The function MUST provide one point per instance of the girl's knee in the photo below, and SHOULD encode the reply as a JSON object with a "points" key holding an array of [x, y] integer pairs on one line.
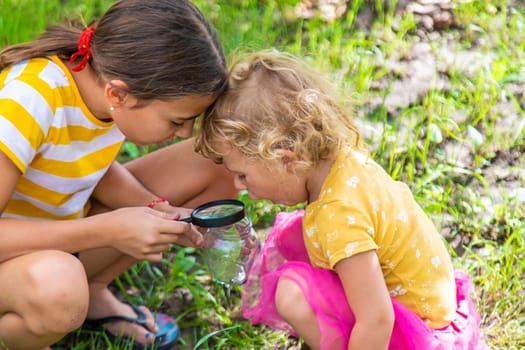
{"points": [[59, 292], [292, 305], [290, 301]]}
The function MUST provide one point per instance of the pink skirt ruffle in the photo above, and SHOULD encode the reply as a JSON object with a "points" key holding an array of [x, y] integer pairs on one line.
{"points": [[284, 255]]}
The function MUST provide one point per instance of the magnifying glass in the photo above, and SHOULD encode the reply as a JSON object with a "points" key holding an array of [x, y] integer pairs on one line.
{"points": [[230, 244], [217, 213]]}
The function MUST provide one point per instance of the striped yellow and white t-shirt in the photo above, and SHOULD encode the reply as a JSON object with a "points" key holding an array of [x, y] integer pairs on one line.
{"points": [[48, 132]]}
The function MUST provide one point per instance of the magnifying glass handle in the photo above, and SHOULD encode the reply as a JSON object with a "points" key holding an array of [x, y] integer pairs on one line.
{"points": [[188, 219]]}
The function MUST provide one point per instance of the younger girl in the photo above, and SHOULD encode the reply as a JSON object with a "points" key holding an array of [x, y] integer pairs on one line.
{"points": [[67, 101], [372, 271]]}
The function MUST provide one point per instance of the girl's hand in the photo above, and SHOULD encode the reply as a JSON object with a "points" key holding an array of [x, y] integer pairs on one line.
{"points": [[145, 233], [179, 212]]}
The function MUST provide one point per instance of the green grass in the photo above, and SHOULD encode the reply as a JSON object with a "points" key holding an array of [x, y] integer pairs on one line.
{"points": [[458, 145]]}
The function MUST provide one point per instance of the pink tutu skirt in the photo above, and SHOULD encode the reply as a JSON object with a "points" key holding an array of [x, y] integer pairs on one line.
{"points": [[284, 255]]}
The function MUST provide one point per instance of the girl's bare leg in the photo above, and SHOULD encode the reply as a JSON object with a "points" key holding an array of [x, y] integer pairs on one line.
{"points": [[43, 296], [102, 267], [294, 309]]}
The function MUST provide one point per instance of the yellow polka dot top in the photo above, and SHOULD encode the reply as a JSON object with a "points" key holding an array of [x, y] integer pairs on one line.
{"points": [[361, 208]]}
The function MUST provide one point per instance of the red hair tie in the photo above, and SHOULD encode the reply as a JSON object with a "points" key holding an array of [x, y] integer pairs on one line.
{"points": [[84, 49]]}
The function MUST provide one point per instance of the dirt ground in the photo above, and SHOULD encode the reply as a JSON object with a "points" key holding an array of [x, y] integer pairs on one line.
{"points": [[504, 172], [427, 66], [422, 71]]}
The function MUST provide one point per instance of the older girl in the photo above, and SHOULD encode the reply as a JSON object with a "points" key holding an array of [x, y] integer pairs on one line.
{"points": [[67, 102]]}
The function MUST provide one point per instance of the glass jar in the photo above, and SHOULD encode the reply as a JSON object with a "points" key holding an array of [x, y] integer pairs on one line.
{"points": [[230, 243], [229, 251]]}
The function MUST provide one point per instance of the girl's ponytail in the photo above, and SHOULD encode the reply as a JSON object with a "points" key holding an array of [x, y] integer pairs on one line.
{"points": [[56, 40]]}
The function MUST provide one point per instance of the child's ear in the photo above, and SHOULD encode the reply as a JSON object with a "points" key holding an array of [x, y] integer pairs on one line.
{"points": [[115, 93], [288, 159]]}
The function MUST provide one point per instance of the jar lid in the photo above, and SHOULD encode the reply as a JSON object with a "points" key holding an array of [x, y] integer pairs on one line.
{"points": [[218, 213]]}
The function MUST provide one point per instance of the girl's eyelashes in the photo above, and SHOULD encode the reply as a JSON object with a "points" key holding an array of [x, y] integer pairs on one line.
{"points": [[241, 177], [178, 123]]}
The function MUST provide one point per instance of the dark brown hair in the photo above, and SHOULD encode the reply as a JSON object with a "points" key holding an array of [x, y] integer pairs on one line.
{"points": [[161, 49]]}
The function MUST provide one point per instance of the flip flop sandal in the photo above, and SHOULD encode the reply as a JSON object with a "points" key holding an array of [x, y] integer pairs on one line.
{"points": [[165, 338]]}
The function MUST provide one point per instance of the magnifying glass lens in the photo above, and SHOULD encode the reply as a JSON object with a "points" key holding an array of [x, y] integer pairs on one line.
{"points": [[218, 213]]}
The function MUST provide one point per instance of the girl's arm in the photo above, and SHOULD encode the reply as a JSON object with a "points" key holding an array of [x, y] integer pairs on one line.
{"points": [[369, 300], [119, 188], [20, 236], [139, 232], [9, 174]]}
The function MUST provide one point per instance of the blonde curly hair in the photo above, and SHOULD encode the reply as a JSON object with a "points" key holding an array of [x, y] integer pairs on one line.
{"points": [[273, 102]]}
